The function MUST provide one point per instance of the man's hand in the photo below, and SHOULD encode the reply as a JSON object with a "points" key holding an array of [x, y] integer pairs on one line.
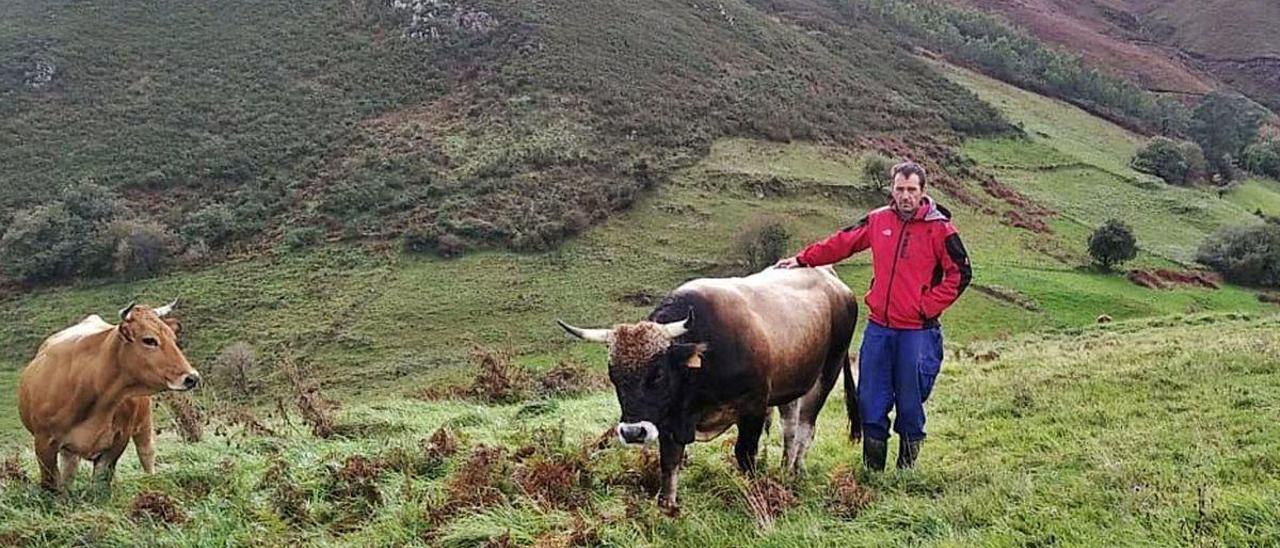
{"points": [[789, 262]]}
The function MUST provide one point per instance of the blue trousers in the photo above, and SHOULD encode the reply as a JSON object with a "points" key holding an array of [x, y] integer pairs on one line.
{"points": [[896, 369]]}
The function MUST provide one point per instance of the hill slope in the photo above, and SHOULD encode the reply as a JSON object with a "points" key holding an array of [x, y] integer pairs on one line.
{"points": [[1180, 46], [484, 121], [366, 320]]}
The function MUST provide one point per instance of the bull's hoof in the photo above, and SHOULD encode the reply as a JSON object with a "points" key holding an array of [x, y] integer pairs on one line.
{"points": [[670, 510]]}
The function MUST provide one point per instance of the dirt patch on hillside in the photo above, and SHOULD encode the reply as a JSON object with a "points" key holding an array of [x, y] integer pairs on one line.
{"points": [[1168, 279]]}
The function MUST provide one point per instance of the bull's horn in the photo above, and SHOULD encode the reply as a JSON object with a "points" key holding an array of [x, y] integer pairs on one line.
{"points": [[593, 335], [166, 309], [675, 329], [124, 312]]}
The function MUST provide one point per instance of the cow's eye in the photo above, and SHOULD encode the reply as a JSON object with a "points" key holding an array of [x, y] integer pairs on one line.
{"points": [[150, 341]]}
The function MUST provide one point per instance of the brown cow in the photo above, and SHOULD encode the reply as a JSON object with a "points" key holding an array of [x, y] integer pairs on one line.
{"points": [[87, 392]]}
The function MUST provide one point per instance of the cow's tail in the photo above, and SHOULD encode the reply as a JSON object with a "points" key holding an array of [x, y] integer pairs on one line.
{"points": [[851, 401]]}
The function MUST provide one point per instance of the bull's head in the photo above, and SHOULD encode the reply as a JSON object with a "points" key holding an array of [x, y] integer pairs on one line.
{"points": [[151, 354], [651, 374]]}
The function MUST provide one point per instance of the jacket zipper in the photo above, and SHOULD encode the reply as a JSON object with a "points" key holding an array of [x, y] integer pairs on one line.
{"points": [[893, 271]]}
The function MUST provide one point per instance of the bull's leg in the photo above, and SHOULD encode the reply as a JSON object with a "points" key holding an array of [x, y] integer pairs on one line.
{"points": [[104, 467], [144, 444], [70, 465], [671, 453], [790, 413], [749, 429], [809, 406], [47, 456]]}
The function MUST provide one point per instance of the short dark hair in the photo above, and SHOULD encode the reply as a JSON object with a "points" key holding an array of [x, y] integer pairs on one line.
{"points": [[907, 169]]}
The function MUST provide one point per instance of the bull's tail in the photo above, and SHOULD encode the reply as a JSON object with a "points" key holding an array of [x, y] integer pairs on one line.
{"points": [[851, 402]]}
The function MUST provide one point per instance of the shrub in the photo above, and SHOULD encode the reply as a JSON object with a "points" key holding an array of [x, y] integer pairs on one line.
{"points": [[41, 244], [1245, 255], [761, 244], [301, 238], [238, 363], [142, 248], [1167, 159], [214, 225], [1264, 158], [875, 170]]}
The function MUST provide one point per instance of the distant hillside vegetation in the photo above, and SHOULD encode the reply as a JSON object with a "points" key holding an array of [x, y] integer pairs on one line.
{"points": [[1180, 46], [462, 123]]}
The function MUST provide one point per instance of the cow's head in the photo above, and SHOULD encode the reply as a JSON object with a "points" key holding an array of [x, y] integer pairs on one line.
{"points": [[652, 375], [151, 354]]}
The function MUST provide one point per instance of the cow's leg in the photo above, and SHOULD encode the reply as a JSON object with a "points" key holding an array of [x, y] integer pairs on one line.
{"points": [[104, 467], [144, 444], [70, 465], [671, 453], [749, 429], [47, 456]]}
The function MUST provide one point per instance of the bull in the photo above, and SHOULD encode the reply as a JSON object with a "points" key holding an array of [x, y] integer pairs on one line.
{"points": [[720, 352]]}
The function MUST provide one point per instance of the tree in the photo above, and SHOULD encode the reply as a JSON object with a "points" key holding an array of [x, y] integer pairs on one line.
{"points": [[1112, 243], [1223, 125], [1172, 118]]}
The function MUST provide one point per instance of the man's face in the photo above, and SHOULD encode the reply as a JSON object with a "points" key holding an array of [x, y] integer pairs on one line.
{"points": [[907, 192]]}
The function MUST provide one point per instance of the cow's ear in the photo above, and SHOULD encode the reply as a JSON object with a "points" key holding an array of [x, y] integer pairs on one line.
{"points": [[126, 330], [173, 324], [688, 356]]}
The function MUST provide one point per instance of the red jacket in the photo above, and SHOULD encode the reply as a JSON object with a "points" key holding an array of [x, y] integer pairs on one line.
{"points": [[920, 265]]}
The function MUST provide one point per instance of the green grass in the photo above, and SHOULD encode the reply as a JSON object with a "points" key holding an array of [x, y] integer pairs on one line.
{"points": [[1132, 433], [1067, 129], [1257, 194]]}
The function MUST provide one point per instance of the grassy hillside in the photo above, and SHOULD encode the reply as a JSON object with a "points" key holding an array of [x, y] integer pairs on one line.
{"points": [[1079, 167], [364, 319], [486, 122], [1111, 435]]}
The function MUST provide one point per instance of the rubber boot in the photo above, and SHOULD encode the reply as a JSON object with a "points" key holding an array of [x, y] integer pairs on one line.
{"points": [[873, 454], [907, 453]]}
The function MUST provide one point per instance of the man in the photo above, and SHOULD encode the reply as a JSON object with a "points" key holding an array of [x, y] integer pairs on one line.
{"points": [[920, 268]]}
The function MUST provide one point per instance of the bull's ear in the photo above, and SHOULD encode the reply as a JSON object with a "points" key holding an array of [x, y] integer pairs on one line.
{"points": [[173, 324], [687, 355]]}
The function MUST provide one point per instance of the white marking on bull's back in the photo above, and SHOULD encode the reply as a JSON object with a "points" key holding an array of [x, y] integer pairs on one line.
{"points": [[88, 326]]}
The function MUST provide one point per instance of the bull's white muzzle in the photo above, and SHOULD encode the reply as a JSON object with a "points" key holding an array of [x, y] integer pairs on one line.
{"points": [[637, 432]]}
